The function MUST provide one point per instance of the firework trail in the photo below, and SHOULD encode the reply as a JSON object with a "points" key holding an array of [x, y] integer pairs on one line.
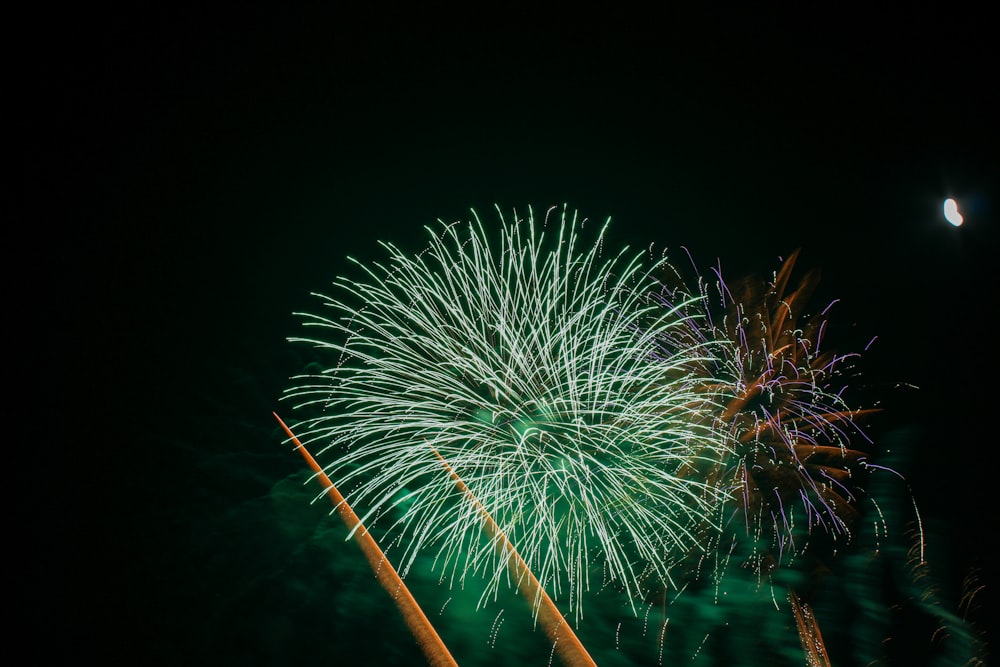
{"points": [[537, 369], [435, 651]]}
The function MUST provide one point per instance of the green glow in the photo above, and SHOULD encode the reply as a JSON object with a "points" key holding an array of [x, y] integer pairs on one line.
{"points": [[690, 447]]}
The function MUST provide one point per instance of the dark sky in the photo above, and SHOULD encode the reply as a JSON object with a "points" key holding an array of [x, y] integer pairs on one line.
{"points": [[189, 177]]}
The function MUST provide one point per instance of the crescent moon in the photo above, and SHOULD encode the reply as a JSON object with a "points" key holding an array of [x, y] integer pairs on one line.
{"points": [[951, 213]]}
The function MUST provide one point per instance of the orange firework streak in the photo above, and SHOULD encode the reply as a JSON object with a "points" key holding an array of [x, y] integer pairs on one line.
{"points": [[809, 634], [434, 649], [567, 645]]}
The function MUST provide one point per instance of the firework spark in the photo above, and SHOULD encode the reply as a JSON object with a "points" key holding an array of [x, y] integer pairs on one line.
{"points": [[536, 368]]}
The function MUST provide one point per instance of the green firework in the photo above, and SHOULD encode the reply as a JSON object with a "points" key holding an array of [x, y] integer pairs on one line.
{"points": [[534, 366]]}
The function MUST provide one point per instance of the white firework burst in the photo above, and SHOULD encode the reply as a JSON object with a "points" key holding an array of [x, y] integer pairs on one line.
{"points": [[536, 369]]}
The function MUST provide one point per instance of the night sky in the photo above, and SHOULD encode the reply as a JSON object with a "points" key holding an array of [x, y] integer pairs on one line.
{"points": [[190, 177]]}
